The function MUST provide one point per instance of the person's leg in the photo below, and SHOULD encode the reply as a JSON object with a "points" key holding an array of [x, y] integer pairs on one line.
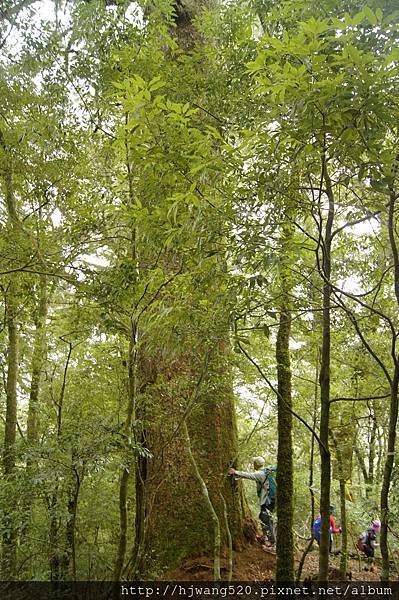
{"points": [[266, 519], [369, 552]]}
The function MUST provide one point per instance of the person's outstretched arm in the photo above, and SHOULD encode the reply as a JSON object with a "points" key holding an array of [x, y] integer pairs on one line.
{"points": [[255, 475]]}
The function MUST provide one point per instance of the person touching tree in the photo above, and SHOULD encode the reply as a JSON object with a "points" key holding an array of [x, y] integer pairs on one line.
{"points": [[266, 491]]}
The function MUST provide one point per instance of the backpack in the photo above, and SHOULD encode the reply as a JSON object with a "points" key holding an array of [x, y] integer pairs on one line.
{"points": [[316, 529], [362, 540], [271, 480]]}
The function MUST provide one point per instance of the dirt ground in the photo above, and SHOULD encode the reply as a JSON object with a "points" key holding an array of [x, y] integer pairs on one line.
{"points": [[254, 564], [251, 564]]}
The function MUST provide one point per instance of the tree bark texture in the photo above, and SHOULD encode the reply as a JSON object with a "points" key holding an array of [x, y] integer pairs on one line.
{"points": [[171, 525], [128, 456], [9, 550], [394, 405], [325, 477], [285, 484], [38, 359], [208, 503]]}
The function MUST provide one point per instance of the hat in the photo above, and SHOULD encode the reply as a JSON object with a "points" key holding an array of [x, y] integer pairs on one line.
{"points": [[258, 461], [376, 524]]}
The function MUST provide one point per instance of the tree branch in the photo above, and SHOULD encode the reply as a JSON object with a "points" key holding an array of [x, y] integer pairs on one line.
{"points": [[269, 383]]}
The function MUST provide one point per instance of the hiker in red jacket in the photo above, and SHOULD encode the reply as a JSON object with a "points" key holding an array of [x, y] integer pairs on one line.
{"points": [[333, 528]]}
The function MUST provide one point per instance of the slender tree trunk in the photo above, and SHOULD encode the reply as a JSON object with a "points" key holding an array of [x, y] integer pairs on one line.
{"points": [[325, 477], [344, 542], [387, 477], [54, 553], [73, 500], [285, 486], [311, 469], [131, 395], [128, 458], [38, 359], [371, 456], [32, 431], [394, 405], [9, 547], [342, 497], [57, 558]]}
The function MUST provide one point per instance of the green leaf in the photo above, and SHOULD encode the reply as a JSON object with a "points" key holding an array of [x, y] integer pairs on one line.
{"points": [[370, 15]]}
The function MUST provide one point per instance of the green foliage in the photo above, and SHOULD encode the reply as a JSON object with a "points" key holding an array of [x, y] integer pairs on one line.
{"points": [[151, 186]]}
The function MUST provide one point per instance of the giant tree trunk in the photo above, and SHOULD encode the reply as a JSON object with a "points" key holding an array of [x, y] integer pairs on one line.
{"points": [[171, 523], [285, 485], [171, 520]]}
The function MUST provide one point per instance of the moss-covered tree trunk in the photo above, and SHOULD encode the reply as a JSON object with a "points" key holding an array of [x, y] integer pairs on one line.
{"points": [[33, 421], [171, 523], [9, 547], [285, 486], [342, 441], [394, 403], [369, 468], [9, 538], [131, 397], [38, 359], [75, 481], [344, 546]]}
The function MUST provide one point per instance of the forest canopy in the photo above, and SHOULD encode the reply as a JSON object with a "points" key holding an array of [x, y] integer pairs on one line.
{"points": [[199, 265]]}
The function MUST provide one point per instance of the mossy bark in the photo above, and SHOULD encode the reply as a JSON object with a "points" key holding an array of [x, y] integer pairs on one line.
{"points": [[38, 359], [368, 470], [285, 486], [33, 421], [208, 504], [9, 546], [171, 523], [343, 472], [344, 545], [394, 402]]}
